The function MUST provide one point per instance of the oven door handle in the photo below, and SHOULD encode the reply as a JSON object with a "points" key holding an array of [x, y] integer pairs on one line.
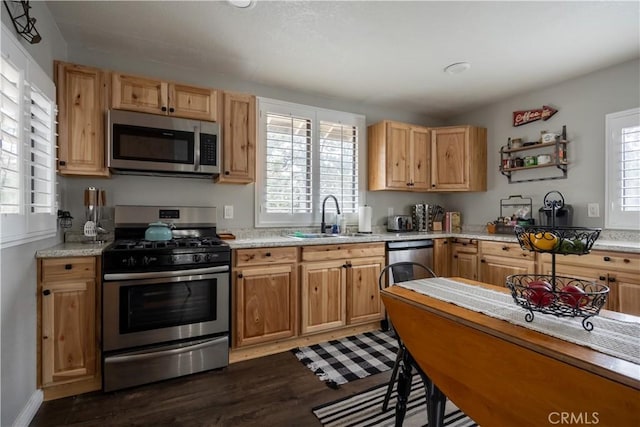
{"points": [[163, 274], [162, 353]]}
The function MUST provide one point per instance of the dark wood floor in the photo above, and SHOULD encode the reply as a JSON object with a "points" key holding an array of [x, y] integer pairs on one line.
{"points": [[271, 391]]}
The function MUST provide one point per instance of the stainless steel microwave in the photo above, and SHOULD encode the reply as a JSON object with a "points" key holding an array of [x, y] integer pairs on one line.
{"points": [[154, 144]]}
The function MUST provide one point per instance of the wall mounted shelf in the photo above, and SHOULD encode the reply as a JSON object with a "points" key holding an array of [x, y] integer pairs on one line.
{"points": [[559, 154]]}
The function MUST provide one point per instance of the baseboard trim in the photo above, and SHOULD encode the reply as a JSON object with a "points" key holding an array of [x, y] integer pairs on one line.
{"points": [[30, 409]]}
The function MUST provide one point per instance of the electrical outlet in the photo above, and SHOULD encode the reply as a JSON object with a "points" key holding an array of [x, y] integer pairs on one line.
{"points": [[228, 212], [593, 210]]}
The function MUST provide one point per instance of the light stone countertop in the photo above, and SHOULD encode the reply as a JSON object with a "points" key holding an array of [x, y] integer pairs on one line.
{"points": [[95, 249]]}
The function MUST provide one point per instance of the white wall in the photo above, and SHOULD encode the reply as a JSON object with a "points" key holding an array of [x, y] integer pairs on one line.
{"points": [[18, 264], [582, 104]]}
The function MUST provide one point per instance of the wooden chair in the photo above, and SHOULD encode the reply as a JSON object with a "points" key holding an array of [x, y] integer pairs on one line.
{"points": [[402, 272]]}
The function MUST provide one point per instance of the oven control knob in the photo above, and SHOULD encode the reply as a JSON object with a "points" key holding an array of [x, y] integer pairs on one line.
{"points": [[208, 257], [147, 260], [129, 262], [197, 258]]}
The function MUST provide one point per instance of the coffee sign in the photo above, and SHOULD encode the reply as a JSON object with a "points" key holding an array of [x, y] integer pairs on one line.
{"points": [[527, 116]]}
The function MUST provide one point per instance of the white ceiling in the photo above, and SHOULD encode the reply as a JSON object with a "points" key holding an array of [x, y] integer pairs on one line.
{"points": [[390, 54]]}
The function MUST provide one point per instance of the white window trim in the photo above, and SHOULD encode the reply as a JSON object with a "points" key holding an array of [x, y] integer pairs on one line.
{"points": [[317, 114], [18, 229], [614, 217]]}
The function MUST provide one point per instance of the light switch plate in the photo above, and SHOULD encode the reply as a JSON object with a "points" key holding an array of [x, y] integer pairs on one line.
{"points": [[228, 212], [593, 210]]}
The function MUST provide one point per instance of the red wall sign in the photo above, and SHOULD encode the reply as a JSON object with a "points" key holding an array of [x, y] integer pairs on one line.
{"points": [[527, 116]]}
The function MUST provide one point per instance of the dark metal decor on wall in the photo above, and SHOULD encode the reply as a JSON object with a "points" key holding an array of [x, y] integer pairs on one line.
{"points": [[22, 22]]}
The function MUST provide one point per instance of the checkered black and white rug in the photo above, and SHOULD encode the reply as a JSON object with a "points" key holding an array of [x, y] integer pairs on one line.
{"points": [[340, 361]]}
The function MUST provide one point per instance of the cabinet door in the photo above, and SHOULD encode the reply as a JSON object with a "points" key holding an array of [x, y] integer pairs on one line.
{"points": [[193, 102], [420, 169], [363, 294], [68, 330], [139, 94], [450, 155], [398, 147], [239, 138], [464, 265], [265, 304], [624, 294], [323, 296], [441, 257], [495, 269], [82, 97]]}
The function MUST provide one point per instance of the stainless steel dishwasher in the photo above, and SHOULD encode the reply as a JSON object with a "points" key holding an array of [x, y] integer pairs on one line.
{"points": [[420, 251]]}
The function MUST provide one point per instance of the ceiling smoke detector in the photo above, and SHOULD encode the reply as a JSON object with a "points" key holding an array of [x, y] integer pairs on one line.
{"points": [[241, 4], [457, 68]]}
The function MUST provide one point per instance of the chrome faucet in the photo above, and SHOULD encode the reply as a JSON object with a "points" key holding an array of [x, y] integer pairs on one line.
{"points": [[322, 223]]}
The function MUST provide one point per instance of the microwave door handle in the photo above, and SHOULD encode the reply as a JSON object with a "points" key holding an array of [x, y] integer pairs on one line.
{"points": [[196, 148]]}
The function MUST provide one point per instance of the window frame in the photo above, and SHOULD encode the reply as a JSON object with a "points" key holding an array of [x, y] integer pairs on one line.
{"points": [[615, 218], [316, 114], [25, 226]]}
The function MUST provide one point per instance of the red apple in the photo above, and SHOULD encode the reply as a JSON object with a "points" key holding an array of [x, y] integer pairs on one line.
{"points": [[539, 293], [573, 296]]}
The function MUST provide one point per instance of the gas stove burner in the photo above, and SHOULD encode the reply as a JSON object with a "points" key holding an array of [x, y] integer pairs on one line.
{"points": [[167, 244]]}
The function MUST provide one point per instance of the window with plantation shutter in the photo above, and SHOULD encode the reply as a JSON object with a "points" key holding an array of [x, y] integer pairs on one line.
{"points": [[305, 154], [11, 183], [27, 148], [623, 170], [339, 164]]}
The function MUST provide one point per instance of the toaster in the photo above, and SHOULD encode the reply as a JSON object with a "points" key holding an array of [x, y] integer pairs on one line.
{"points": [[399, 223]]}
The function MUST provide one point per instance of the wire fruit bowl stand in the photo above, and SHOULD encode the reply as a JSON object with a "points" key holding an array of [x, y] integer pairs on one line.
{"points": [[551, 294]]}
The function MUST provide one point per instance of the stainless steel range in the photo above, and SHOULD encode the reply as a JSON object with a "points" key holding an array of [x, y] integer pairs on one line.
{"points": [[165, 304]]}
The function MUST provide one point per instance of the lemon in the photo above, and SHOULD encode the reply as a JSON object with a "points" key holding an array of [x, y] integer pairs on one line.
{"points": [[544, 241]]}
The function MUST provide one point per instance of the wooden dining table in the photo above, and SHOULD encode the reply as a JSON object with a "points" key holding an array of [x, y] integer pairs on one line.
{"points": [[502, 374]]}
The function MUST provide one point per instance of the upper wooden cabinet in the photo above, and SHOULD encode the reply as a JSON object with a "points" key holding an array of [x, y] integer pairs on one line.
{"points": [[82, 94], [154, 96], [238, 138], [398, 157], [459, 159]]}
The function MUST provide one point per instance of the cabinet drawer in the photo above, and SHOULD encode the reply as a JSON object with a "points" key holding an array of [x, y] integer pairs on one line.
{"points": [[347, 251], [265, 256], [68, 268], [469, 246], [509, 250], [608, 261]]}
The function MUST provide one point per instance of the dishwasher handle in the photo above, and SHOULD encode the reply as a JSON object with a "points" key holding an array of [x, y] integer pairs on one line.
{"points": [[409, 244]]}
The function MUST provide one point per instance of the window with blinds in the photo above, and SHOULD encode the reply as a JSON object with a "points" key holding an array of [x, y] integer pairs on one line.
{"points": [[306, 154], [27, 147], [11, 147], [623, 170], [338, 172]]}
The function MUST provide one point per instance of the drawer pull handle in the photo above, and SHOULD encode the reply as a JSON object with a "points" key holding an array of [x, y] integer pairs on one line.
{"points": [[607, 258], [611, 279], [164, 108], [267, 254], [483, 260], [45, 337], [505, 248], [46, 292], [626, 261], [68, 266], [602, 278], [239, 275], [455, 256]]}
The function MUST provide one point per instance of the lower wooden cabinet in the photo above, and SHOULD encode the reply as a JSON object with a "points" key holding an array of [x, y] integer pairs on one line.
{"points": [[441, 257], [68, 301], [497, 260], [464, 259], [618, 271], [265, 290], [339, 285]]}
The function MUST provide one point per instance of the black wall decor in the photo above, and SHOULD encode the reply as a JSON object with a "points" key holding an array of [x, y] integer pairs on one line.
{"points": [[23, 23]]}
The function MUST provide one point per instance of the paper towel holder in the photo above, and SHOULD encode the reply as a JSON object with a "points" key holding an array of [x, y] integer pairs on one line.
{"points": [[364, 219]]}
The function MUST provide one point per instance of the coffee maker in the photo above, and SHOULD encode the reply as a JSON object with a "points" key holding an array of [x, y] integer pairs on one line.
{"points": [[94, 201]]}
